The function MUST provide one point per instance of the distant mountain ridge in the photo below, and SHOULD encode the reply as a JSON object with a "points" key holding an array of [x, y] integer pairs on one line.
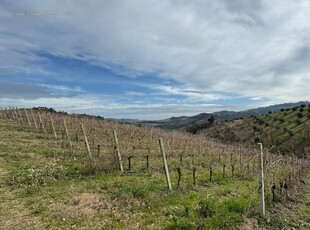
{"points": [[183, 122]]}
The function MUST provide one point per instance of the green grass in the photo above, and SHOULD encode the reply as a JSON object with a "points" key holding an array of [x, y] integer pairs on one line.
{"points": [[284, 128], [43, 186]]}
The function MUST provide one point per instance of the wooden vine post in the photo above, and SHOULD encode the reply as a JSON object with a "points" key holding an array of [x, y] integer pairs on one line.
{"points": [[28, 120], [86, 141], [41, 123], [67, 134], [165, 163], [53, 127], [118, 152], [179, 175], [34, 120], [20, 116], [261, 182], [16, 115]]}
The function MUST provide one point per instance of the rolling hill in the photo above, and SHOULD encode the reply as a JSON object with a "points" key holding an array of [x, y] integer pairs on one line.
{"points": [[287, 130], [184, 122]]}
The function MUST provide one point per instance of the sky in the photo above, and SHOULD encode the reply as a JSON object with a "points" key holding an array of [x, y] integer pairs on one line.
{"points": [[153, 59]]}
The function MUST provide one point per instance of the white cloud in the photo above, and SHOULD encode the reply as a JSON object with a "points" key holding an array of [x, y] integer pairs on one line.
{"points": [[96, 106], [190, 93], [257, 49], [134, 93], [63, 88]]}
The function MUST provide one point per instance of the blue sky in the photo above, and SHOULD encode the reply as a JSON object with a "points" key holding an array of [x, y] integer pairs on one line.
{"points": [[153, 59]]}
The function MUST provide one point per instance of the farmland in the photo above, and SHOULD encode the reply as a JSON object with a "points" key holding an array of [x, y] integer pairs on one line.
{"points": [[79, 172]]}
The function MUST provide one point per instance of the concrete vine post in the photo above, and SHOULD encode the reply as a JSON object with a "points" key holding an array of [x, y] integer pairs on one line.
{"points": [[261, 183], [165, 163]]}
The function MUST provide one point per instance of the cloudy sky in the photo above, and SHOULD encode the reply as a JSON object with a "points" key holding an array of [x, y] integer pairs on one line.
{"points": [[153, 59]]}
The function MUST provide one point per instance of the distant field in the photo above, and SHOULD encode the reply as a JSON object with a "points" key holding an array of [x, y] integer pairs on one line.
{"points": [[50, 179]]}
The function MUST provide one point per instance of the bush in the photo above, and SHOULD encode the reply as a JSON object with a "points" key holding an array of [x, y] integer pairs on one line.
{"points": [[260, 121], [300, 115], [290, 132], [180, 224], [238, 206], [256, 139], [206, 208], [298, 122]]}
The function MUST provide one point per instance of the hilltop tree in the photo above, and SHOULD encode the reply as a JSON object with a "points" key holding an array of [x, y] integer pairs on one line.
{"points": [[300, 115], [211, 120]]}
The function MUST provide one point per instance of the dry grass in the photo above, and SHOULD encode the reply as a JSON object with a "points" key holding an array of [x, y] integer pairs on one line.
{"points": [[70, 199]]}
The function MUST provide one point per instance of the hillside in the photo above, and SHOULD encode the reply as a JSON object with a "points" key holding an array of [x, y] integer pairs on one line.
{"points": [[185, 122], [60, 171], [57, 173], [286, 131]]}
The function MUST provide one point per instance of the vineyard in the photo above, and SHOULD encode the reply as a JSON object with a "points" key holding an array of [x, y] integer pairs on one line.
{"points": [[132, 177]]}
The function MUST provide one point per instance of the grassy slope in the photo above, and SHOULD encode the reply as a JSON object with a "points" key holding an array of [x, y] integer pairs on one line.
{"points": [[280, 129], [42, 188], [187, 122]]}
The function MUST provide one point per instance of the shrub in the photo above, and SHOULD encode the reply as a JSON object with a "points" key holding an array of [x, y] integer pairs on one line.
{"points": [[206, 208], [238, 206], [290, 132], [260, 121], [180, 224], [300, 115], [256, 139]]}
